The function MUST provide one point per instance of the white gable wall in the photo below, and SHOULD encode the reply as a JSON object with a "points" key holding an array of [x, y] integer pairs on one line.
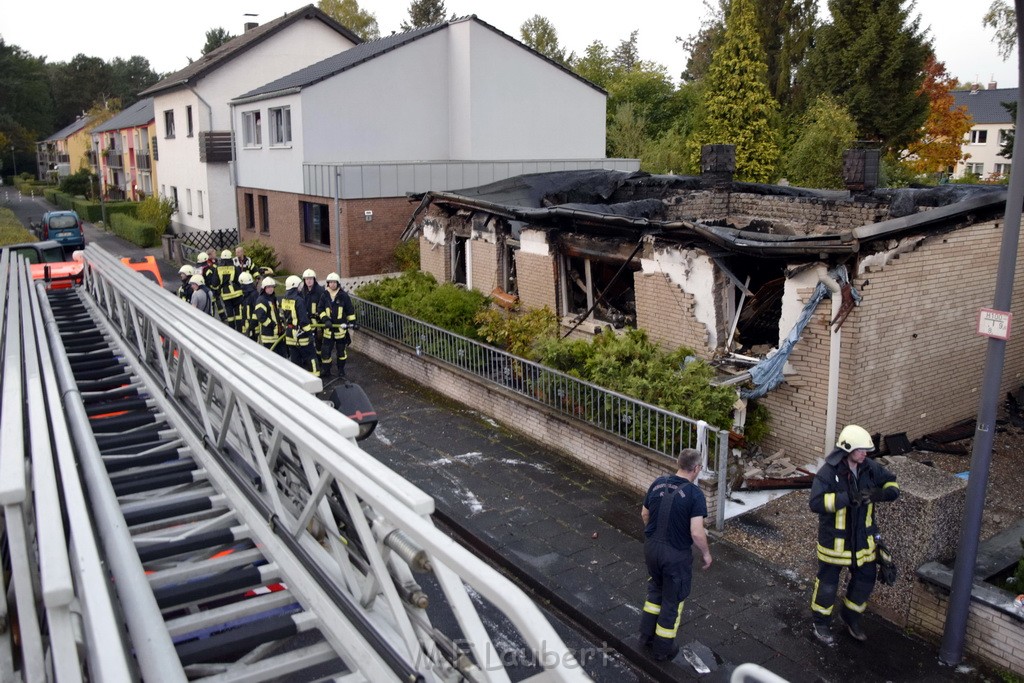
{"points": [[278, 167], [522, 106], [296, 46]]}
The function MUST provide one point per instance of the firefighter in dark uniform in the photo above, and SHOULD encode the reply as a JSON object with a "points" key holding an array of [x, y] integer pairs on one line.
{"points": [[229, 289], [311, 291], [337, 317], [185, 290], [299, 327], [247, 308], [269, 328], [673, 514], [844, 493]]}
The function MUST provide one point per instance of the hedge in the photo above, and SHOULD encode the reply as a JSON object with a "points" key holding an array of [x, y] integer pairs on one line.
{"points": [[11, 229], [92, 212], [134, 230]]}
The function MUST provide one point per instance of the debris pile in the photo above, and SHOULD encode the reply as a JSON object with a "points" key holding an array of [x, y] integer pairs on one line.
{"points": [[756, 471]]}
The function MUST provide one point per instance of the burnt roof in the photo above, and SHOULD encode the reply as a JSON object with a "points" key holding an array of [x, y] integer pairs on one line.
{"points": [[623, 204], [241, 44]]}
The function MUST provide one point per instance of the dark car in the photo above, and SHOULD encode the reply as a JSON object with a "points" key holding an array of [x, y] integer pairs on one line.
{"points": [[62, 226], [49, 251]]}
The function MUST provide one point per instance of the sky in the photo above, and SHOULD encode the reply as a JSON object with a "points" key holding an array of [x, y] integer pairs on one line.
{"points": [[168, 33]]}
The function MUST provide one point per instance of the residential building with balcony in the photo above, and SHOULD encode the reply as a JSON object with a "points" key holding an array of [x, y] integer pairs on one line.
{"points": [[991, 125], [124, 147], [66, 151], [193, 116]]}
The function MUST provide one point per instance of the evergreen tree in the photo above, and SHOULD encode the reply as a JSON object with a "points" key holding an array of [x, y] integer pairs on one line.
{"points": [[349, 14], [216, 37], [626, 137], [871, 59], [26, 105], [816, 159], [738, 108], [540, 34], [78, 85], [424, 13], [130, 77]]}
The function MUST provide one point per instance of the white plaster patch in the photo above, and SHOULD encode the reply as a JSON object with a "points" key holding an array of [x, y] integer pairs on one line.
{"points": [[882, 258], [792, 304], [534, 242], [694, 272], [433, 232], [484, 234]]}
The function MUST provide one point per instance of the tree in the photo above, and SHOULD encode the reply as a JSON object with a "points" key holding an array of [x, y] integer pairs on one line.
{"points": [[626, 137], [1007, 149], [540, 34], [595, 65], [424, 13], [77, 85], [626, 57], [130, 77], [871, 59], [701, 45], [26, 104], [816, 159], [1002, 18], [940, 145], [738, 108], [348, 13], [216, 37]]}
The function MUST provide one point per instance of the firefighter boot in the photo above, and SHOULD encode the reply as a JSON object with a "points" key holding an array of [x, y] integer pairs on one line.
{"points": [[647, 623], [851, 620], [664, 649]]}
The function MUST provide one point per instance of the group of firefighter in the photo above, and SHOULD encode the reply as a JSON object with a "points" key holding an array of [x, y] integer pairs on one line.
{"points": [[310, 323]]}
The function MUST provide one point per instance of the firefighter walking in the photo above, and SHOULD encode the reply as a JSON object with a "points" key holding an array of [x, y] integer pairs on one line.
{"points": [[337, 317], [295, 317], [229, 290]]}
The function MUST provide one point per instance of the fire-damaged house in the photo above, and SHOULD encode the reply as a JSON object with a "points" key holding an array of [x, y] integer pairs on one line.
{"points": [[829, 307]]}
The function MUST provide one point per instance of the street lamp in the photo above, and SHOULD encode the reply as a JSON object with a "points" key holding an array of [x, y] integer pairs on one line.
{"points": [[14, 161]]}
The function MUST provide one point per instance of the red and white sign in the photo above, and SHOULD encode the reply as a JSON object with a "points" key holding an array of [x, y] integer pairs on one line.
{"points": [[993, 323]]}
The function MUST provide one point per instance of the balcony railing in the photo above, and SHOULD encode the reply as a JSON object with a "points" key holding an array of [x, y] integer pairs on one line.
{"points": [[215, 146], [142, 161], [113, 158]]}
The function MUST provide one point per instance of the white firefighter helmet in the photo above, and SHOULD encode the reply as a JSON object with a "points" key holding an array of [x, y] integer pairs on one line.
{"points": [[333, 277], [853, 438], [245, 279], [196, 279], [292, 282], [226, 254], [308, 272], [268, 282], [202, 257], [187, 270]]}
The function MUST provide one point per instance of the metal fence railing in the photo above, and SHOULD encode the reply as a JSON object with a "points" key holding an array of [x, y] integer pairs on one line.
{"points": [[638, 422], [186, 245]]}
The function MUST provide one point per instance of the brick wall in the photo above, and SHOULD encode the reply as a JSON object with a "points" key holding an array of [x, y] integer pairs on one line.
{"points": [[914, 361], [665, 311], [992, 635], [537, 280], [366, 247], [485, 266], [607, 456], [434, 259]]}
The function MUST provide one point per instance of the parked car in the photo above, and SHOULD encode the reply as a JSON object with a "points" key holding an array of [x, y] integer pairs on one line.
{"points": [[63, 226], [48, 251]]}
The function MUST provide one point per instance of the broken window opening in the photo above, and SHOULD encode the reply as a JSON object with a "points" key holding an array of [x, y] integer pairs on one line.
{"points": [[591, 283], [757, 314], [509, 277], [459, 248]]}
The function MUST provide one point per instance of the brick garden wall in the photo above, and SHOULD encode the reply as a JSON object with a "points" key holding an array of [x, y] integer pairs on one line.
{"points": [[992, 635], [366, 247], [607, 456]]}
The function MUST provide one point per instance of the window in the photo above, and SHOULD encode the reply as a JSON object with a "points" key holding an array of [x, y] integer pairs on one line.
{"points": [[250, 217], [592, 286], [174, 196], [199, 203], [280, 126], [188, 201], [251, 133], [1003, 169], [315, 224], [460, 252], [979, 137], [163, 190], [169, 123], [976, 169], [188, 120], [1004, 136], [264, 214]]}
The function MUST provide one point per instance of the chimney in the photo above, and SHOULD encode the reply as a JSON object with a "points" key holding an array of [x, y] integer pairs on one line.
{"points": [[249, 25], [975, 87], [717, 164], [860, 169], [991, 85]]}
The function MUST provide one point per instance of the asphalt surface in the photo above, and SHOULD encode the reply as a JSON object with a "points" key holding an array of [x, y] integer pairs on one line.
{"points": [[575, 540]]}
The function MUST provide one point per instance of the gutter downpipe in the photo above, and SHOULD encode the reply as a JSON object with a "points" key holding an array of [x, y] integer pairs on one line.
{"points": [[337, 220], [834, 352]]}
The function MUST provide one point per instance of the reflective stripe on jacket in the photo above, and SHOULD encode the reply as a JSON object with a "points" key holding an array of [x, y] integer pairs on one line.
{"points": [[268, 319], [335, 311]]}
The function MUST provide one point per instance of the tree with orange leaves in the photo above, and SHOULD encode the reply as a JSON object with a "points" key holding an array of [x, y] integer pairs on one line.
{"points": [[940, 145]]}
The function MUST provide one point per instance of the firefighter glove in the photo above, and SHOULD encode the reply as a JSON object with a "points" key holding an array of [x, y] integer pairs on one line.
{"points": [[876, 494]]}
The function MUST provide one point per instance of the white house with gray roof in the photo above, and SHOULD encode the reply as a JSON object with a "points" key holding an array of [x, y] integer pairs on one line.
{"points": [[326, 155], [987, 136], [193, 117]]}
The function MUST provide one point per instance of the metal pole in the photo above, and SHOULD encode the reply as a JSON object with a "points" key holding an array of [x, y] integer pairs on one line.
{"points": [[14, 161], [337, 220], [952, 647], [723, 475]]}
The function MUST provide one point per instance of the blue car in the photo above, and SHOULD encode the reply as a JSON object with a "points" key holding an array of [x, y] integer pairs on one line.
{"points": [[64, 227]]}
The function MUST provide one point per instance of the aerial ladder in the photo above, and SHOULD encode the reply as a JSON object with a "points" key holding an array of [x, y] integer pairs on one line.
{"points": [[178, 504]]}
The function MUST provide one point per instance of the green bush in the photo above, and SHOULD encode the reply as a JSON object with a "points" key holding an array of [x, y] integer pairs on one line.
{"points": [[81, 182], [156, 211], [262, 254], [134, 230], [11, 229], [407, 255], [515, 331], [419, 296]]}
